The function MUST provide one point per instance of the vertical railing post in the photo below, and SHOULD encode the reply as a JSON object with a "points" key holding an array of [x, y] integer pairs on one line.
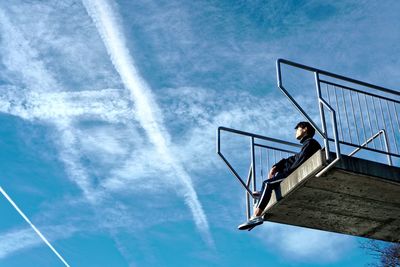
{"points": [[322, 114], [335, 132], [218, 140], [249, 177], [385, 139], [247, 206], [253, 165]]}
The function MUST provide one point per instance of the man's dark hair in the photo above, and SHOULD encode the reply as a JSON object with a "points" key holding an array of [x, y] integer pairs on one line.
{"points": [[306, 124]]}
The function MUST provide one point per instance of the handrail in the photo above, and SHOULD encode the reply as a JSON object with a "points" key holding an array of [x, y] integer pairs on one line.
{"points": [[359, 91], [337, 76], [251, 177], [258, 136], [366, 148], [383, 132], [383, 115], [296, 105], [234, 172], [325, 103]]}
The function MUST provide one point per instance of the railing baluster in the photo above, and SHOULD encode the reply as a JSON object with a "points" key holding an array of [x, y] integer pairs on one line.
{"points": [[261, 163], [361, 115], [383, 121], [391, 125], [354, 117], [369, 119], [347, 117], [395, 112], [274, 158], [397, 120], [377, 122], [329, 95], [338, 112], [253, 164], [268, 159]]}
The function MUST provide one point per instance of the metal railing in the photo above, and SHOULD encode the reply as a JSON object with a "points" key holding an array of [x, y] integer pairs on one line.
{"points": [[363, 116], [362, 119], [262, 157]]}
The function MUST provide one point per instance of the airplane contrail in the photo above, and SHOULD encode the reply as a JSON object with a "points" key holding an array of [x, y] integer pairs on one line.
{"points": [[32, 225], [147, 110]]}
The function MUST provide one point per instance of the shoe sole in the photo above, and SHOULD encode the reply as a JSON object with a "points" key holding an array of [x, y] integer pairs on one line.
{"points": [[249, 226]]}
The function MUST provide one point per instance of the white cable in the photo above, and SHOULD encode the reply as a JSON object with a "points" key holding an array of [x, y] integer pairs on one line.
{"points": [[33, 226]]}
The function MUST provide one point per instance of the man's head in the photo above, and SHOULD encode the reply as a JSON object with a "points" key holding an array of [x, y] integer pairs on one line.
{"points": [[304, 128]]}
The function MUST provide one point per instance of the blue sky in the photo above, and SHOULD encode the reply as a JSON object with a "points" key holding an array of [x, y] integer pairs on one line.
{"points": [[109, 110]]}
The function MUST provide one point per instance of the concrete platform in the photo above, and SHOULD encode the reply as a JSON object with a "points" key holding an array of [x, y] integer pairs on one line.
{"points": [[356, 197]]}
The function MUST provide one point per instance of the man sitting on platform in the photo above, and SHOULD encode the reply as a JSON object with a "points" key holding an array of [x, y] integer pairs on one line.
{"points": [[281, 170]]}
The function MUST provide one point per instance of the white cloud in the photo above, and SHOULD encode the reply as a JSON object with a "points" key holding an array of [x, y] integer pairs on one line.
{"points": [[16, 240], [22, 239], [305, 245], [20, 59], [64, 41], [108, 104], [201, 111], [108, 141]]}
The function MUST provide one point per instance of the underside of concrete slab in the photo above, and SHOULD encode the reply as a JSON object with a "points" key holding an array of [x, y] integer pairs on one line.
{"points": [[356, 197]]}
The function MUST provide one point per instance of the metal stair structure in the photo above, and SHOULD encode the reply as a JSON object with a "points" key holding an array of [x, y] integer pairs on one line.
{"points": [[356, 192]]}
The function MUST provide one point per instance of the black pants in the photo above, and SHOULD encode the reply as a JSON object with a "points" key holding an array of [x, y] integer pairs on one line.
{"points": [[267, 187]]}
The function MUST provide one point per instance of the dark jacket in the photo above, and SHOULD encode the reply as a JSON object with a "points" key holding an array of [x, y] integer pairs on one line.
{"points": [[287, 166]]}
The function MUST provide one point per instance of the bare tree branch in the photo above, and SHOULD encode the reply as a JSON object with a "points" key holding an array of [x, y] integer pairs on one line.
{"points": [[387, 254]]}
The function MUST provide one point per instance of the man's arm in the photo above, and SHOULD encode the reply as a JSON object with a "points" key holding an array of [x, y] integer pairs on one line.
{"points": [[272, 172], [281, 166]]}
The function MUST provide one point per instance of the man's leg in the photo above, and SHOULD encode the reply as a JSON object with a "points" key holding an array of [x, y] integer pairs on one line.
{"points": [[268, 186]]}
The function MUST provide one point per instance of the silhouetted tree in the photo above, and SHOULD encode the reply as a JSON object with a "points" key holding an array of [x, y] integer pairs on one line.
{"points": [[387, 254]]}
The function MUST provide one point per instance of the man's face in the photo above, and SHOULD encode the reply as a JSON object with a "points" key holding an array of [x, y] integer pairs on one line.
{"points": [[300, 132]]}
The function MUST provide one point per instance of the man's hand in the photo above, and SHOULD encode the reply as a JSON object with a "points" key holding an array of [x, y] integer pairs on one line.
{"points": [[272, 172]]}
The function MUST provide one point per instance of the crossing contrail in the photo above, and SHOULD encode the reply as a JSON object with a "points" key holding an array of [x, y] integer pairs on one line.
{"points": [[147, 110], [32, 225]]}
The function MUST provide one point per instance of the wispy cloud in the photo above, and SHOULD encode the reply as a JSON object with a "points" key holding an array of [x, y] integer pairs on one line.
{"points": [[17, 240], [20, 239], [61, 35], [305, 245], [23, 62], [201, 111], [109, 104], [147, 110]]}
